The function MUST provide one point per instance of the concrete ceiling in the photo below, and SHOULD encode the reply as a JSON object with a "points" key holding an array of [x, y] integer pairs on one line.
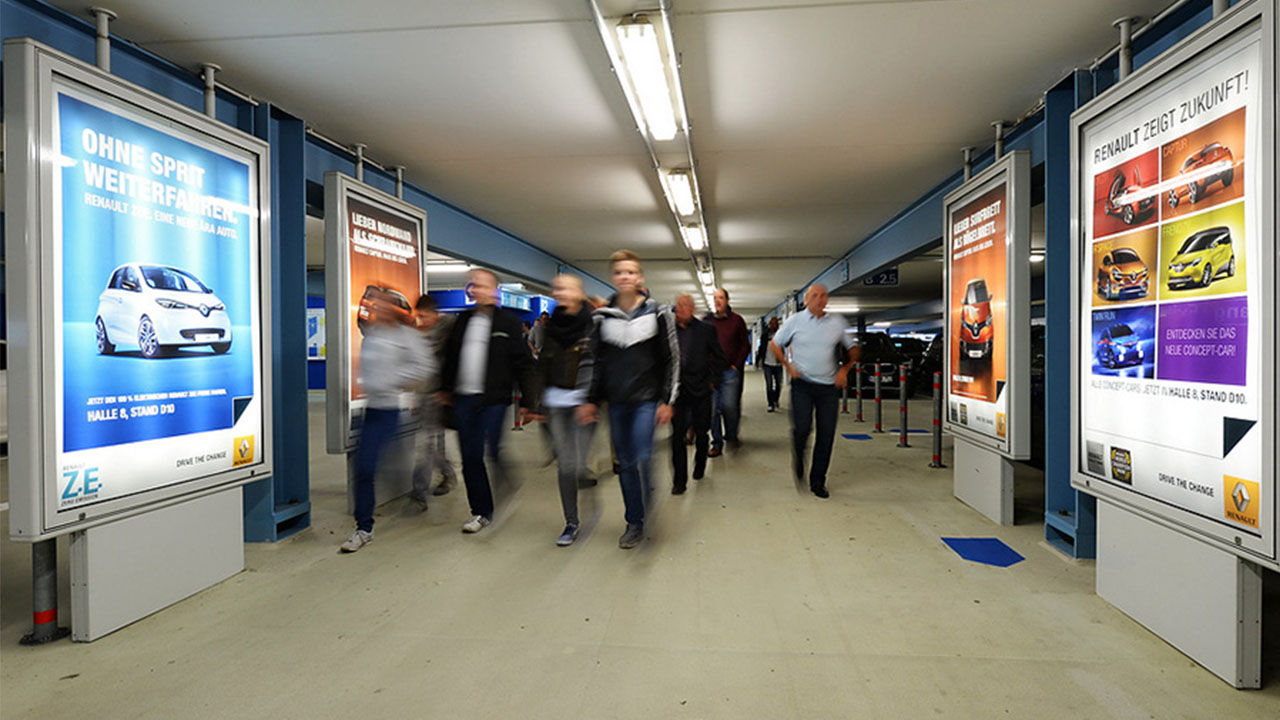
{"points": [[813, 122]]}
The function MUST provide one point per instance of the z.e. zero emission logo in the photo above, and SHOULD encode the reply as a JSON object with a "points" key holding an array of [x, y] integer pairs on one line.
{"points": [[1121, 466], [242, 454], [1241, 500]]}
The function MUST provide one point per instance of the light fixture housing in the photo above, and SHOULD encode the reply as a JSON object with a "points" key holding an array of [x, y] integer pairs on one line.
{"points": [[646, 69], [447, 267], [695, 237], [678, 186]]}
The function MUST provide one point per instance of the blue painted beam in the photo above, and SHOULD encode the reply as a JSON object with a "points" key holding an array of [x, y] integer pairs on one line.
{"points": [[279, 506]]}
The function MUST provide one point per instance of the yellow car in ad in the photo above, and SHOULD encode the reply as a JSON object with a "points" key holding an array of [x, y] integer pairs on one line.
{"points": [[1203, 257]]}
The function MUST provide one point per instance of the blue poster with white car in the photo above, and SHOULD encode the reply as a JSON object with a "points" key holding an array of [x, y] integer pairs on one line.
{"points": [[159, 280]]}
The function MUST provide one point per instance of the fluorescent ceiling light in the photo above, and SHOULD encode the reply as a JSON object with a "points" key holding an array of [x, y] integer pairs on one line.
{"points": [[448, 267], [679, 188], [882, 323], [835, 308], [694, 236], [643, 63], [1037, 257], [706, 278]]}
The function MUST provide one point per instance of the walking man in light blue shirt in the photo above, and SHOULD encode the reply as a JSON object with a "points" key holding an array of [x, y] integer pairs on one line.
{"points": [[813, 336]]}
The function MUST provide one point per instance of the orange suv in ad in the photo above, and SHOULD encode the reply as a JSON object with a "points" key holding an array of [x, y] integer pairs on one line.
{"points": [[976, 330], [1213, 154], [1122, 275]]}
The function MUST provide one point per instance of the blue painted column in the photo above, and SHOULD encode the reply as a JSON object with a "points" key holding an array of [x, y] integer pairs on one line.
{"points": [[1069, 522], [279, 506]]}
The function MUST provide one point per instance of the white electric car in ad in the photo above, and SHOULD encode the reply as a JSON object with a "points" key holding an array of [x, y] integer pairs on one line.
{"points": [[158, 309]]}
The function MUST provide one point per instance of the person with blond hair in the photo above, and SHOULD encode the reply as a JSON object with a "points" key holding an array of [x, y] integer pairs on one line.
{"points": [[636, 370]]}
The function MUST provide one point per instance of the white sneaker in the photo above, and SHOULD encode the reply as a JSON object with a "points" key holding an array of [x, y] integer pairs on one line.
{"points": [[476, 524], [358, 539]]}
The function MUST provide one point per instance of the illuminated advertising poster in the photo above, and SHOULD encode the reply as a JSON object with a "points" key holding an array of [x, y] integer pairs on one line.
{"points": [[382, 243], [152, 355], [983, 308], [1176, 288]]}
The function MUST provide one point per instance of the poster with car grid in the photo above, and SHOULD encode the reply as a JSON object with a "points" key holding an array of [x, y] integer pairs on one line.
{"points": [[379, 245], [1176, 256], [151, 290], [987, 316]]}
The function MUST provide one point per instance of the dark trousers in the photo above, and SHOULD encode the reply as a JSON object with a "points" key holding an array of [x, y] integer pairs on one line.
{"points": [[772, 384], [690, 412], [809, 401], [378, 429], [479, 426]]}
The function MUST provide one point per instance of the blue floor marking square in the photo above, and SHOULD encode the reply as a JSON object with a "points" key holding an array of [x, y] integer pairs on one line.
{"points": [[855, 436], [989, 551]]}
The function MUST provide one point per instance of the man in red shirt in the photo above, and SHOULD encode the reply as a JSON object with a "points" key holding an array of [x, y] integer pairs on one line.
{"points": [[731, 329]]}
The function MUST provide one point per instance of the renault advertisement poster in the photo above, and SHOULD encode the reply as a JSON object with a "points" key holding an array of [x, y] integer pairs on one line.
{"points": [[379, 242], [1174, 353], [988, 322], [151, 363]]}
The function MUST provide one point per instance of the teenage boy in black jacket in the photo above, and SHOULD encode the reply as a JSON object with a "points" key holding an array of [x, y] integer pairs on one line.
{"points": [[702, 364], [637, 371], [484, 357]]}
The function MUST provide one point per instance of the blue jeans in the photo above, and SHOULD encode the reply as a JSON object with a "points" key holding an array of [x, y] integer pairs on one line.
{"points": [[631, 427], [810, 401], [378, 429], [772, 384], [479, 426], [726, 409]]}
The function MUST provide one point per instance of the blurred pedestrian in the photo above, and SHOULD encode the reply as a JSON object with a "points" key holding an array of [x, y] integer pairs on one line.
{"points": [[701, 367], [486, 356], [636, 370], [563, 376], [431, 444], [770, 365], [731, 329], [813, 336], [392, 364]]}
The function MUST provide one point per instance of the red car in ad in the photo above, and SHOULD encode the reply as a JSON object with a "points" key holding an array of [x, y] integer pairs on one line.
{"points": [[976, 329], [1213, 154], [395, 299], [1120, 202]]}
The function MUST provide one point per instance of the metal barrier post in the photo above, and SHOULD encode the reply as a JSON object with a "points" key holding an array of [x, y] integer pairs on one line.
{"points": [[844, 395], [936, 462], [858, 392], [878, 408], [516, 404], [902, 406], [44, 595]]}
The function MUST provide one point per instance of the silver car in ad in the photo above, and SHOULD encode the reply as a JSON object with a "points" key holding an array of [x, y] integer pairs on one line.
{"points": [[159, 309]]}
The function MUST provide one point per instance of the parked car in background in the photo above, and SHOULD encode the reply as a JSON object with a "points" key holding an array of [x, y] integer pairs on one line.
{"points": [[394, 297], [878, 349], [1119, 347], [976, 330], [1125, 199], [1122, 275], [157, 309], [1202, 258], [1213, 154]]}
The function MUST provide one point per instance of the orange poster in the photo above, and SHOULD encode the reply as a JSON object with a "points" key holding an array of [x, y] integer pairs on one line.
{"points": [[979, 297]]}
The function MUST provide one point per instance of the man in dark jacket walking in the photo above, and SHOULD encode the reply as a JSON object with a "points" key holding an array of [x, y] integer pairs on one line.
{"points": [[485, 356], [736, 345], [701, 367], [637, 371]]}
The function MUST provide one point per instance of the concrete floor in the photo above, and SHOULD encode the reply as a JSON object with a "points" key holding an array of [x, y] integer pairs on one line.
{"points": [[748, 600]]}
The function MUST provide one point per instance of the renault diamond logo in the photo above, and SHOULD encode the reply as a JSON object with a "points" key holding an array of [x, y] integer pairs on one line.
{"points": [[244, 451], [1240, 496], [204, 310]]}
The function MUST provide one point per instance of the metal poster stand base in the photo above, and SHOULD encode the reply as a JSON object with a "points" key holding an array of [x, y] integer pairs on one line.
{"points": [[984, 481], [1205, 602], [126, 570]]}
